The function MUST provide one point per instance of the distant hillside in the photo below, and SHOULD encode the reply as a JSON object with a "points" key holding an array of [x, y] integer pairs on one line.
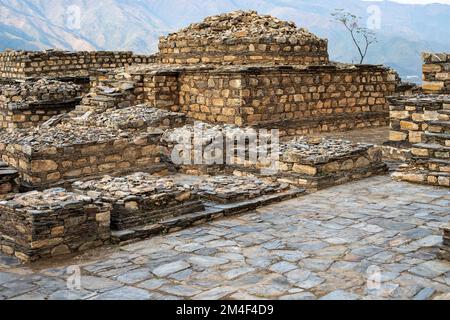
{"points": [[406, 30]]}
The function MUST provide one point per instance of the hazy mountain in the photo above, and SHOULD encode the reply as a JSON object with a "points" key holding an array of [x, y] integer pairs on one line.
{"points": [[406, 30]]}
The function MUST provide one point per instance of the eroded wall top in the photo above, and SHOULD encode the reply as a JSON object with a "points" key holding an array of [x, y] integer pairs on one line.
{"points": [[243, 37]]}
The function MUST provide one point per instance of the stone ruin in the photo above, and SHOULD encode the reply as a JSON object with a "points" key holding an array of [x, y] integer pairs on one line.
{"points": [[421, 125], [243, 38], [420, 131], [88, 138], [28, 104]]}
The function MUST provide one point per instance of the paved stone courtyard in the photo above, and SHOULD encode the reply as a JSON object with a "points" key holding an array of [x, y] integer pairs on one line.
{"points": [[373, 239]]}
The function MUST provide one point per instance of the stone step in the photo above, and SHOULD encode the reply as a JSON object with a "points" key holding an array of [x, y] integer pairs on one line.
{"points": [[423, 176], [431, 146], [433, 164], [213, 211]]}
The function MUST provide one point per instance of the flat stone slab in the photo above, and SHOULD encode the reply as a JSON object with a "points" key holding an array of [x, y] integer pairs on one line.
{"points": [[276, 252]]}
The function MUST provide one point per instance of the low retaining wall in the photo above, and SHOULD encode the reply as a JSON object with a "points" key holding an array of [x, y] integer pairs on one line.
{"points": [[46, 224], [52, 63], [49, 157]]}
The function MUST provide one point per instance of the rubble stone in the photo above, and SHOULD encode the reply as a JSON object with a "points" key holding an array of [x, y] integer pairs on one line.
{"points": [[140, 117], [228, 189], [141, 198]]}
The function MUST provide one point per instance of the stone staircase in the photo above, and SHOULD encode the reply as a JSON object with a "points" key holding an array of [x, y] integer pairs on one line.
{"points": [[430, 160]]}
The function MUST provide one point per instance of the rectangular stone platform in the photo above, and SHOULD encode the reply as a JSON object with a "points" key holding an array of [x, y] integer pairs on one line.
{"points": [[320, 98], [230, 189], [59, 155], [307, 163], [55, 222], [141, 199], [28, 104]]}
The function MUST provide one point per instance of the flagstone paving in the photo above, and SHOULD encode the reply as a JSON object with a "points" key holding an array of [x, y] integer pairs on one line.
{"points": [[373, 239]]}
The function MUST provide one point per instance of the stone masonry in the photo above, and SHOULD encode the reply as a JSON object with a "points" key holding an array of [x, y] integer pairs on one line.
{"points": [[45, 224], [8, 176], [234, 72], [327, 98], [422, 124], [436, 73], [52, 156], [302, 162], [28, 104], [53, 63], [243, 38]]}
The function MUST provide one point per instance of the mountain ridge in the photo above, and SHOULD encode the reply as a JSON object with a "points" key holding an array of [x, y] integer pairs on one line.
{"points": [[406, 30]]}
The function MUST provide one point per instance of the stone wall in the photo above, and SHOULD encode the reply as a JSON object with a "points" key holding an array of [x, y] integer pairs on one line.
{"points": [[28, 104], [422, 124], [261, 95], [243, 38], [37, 64], [300, 99], [436, 72], [52, 156], [46, 224]]}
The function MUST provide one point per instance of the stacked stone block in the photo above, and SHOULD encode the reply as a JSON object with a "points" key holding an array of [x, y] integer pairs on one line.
{"points": [[436, 72], [311, 96], [423, 123], [307, 163], [55, 222], [28, 104], [243, 38], [52, 63], [317, 164], [52, 156]]}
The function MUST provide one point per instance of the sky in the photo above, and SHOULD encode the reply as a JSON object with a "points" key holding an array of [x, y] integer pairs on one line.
{"points": [[421, 1]]}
